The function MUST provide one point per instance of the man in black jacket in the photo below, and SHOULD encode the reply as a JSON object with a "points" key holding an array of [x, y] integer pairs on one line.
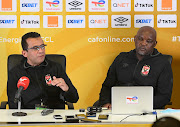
{"points": [[49, 83], [143, 66]]}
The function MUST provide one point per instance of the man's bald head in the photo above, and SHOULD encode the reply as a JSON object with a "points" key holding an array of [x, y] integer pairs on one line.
{"points": [[145, 41], [147, 29]]}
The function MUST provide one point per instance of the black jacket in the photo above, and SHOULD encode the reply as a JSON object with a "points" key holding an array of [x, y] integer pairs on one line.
{"points": [[126, 70], [38, 90]]}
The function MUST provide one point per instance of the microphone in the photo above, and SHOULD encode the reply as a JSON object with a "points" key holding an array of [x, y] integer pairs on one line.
{"points": [[22, 84]]}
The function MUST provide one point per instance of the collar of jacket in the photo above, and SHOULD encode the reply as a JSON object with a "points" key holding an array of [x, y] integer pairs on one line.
{"points": [[132, 54], [26, 65]]}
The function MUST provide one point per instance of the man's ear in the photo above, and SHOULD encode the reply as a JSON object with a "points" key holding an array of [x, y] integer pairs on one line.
{"points": [[155, 43], [135, 38], [24, 53]]}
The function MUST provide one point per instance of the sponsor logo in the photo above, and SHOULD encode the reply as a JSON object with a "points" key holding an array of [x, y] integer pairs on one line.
{"points": [[166, 21], [131, 100], [143, 20], [55, 3], [121, 21], [143, 5], [29, 5], [29, 21], [75, 21], [98, 21], [75, 3], [100, 5], [75, 6], [52, 5], [6, 5], [8, 21], [52, 21], [166, 5], [119, 5]]}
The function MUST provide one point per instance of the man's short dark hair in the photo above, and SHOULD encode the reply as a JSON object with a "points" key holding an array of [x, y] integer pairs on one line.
{"points": [[26, 36]]}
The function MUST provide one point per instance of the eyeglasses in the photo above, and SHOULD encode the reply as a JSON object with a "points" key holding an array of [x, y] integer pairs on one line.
{"points": [[37, 48]]}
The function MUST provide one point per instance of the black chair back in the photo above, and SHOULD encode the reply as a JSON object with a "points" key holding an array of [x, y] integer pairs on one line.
{"points": [[15, 59]]}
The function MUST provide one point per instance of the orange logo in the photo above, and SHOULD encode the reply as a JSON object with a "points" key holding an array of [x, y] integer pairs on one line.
{"points": [[6, 5], [166, 4], [52, 21]]}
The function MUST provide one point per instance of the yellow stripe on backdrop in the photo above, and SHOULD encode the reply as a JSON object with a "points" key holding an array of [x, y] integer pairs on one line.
{"points": [[88, 61]]}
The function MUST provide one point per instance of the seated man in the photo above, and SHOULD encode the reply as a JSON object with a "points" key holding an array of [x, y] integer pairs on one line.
{"points": [[143, 66], [36, 67]]}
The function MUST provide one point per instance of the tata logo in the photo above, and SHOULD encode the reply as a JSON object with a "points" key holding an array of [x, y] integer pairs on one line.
{"points": [[143, 20], [55, 3], [7, 21], [75, 21], [166, 21], [29, 22], [29, 4], [99, 21], [75, 3], [99, 3], [120, 4], [143, 5]]}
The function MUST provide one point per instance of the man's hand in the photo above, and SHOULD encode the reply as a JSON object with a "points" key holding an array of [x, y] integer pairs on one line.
{"points": [[59, 82], [108, 105]]}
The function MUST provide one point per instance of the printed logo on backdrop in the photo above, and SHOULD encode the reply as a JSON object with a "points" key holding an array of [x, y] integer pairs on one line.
{"points": [[143, 20], [118, 6], [75, 21], [29, 5], [166, 5], [121, 21], [8, 6], [143, 5], [166, 21], [75, 5], [52, 5], [98, 5], [29, 21], [52, 21], [8, 21], [98, 21]]}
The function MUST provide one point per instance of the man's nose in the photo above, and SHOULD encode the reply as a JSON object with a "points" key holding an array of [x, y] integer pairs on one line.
{"points": [[143, 42]]}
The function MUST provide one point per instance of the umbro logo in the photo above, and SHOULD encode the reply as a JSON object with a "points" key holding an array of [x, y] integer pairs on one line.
{"points": [[121, 19], [75, 3]]}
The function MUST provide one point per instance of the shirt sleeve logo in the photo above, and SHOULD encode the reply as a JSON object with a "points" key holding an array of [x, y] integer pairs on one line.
{"points": [[145, 70]]}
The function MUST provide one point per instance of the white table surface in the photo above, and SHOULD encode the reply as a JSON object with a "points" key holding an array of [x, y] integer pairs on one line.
{"points": [[35, 116]]}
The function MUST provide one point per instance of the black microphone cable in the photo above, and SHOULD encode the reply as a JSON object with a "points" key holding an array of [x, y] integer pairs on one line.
{"points": [[145, 113]]}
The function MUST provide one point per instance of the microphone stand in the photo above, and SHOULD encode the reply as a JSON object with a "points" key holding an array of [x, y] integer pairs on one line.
{"points": [[19, 113]]}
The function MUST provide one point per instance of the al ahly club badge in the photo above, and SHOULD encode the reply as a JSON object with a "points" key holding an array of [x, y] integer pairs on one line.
{"points": [[48, 79], [145, 70]]}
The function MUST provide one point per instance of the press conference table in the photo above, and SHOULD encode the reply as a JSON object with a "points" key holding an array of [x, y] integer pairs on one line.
{"points": [[34, 117]]}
